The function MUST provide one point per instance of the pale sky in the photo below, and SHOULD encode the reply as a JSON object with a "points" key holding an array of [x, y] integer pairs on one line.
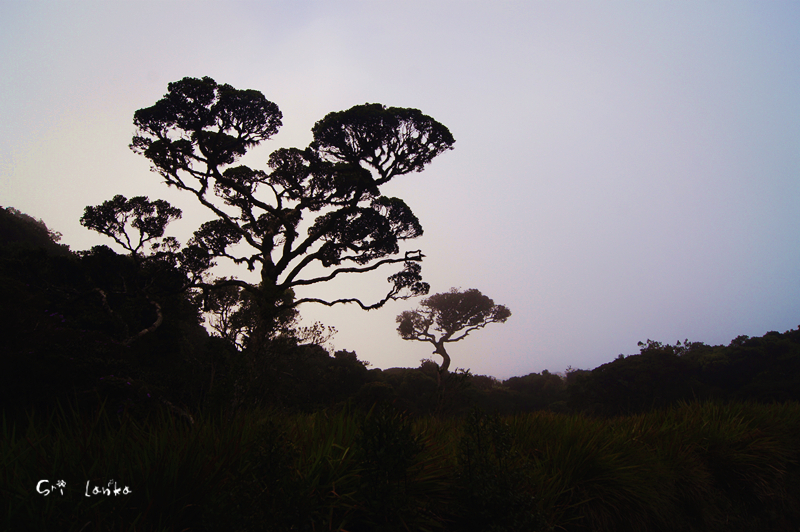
{"points": [[622, 170]]}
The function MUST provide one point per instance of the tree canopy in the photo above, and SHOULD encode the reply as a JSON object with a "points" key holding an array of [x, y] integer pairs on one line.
{"points": [[453, 315], [113, 218], [315, 207]]}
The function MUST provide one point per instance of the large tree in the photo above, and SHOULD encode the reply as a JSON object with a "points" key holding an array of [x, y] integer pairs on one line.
{"points": [[316, 207], [452, 316]]}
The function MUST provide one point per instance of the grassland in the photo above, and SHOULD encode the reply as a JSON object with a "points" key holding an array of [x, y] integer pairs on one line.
{"points": [[696, 466]]}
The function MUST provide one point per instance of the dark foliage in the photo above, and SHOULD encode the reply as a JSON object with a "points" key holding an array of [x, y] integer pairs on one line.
{"points": [[81, 326], [387, 452], [21, 231], [493, 492], [537, 391]]}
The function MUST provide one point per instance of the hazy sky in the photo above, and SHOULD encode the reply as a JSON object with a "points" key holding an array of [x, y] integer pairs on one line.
{"points": [[622, 170]]}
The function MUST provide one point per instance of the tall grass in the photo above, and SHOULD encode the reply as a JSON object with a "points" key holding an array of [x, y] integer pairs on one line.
{"points": [[171, 469], [693, 467], [696, 467], [581, 474], [369, 471]]}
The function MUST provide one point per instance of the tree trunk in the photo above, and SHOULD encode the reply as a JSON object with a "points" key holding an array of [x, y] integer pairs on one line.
{"points": [[445, 360]]}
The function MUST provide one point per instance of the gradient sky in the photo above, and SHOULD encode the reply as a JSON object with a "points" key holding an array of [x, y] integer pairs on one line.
{"points": [[622, 170]]}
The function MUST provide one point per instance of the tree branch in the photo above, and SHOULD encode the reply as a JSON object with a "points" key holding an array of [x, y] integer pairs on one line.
{"points": [[333, 274], [156, 324], [469, 330], [392, 295]]}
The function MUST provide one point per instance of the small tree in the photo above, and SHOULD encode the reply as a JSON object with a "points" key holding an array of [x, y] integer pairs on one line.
{"points": [[454, 315], [117, 217]]}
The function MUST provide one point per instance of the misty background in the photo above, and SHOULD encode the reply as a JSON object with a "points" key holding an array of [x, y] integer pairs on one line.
{"points": [[622, 171]]}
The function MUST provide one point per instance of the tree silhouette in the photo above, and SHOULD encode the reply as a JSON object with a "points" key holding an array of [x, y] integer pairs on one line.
{"points": [[194, 135], [117, 217], [454, 315]]}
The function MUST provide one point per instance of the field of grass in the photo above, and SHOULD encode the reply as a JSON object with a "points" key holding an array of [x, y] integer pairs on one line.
{"points": [[700, 466]]}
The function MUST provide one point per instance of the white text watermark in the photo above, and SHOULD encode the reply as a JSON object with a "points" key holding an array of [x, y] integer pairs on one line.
{"points": [[45, 487]]}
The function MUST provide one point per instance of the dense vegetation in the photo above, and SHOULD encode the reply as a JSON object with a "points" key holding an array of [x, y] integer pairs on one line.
{"points": [[695, 467], [685, 436]]}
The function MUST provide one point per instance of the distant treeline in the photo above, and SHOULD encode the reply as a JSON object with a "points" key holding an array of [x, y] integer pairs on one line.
{"points": [[98, 325]]}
